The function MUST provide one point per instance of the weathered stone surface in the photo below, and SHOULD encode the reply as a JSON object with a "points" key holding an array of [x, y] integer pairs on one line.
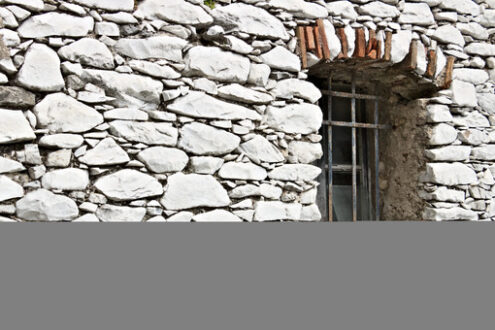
{"points": [[41, 70], [10, 189], [129, 89], [56, 24], [66, 179], [90, 52], [16, 98], [250, 19], [10, 166], [473, 76], [216, 64], [128, 185], [450, 174], [456, 213], [162, 47], [206, 164], [482, 49], [193, 190], [63, 141], [461, 6], [242, 171], [305, 152], [34, 5], [111, 5], [473, 29], [61, 113], [269, 211], [126, 114], [444, 194], [59, 158], [473, 137], [449, 154], [113, 213], [449, 34], [154, 70], [43, 205], [301, 8], [310, 213], [201, 105], [164, 160], [282, 59], [342, 8], [216, 216], [236, 92], [295, 118], [417, 14], [183, 216], [88, 217], [201, 139], [472, 119], [484, 153], [379, 9], [105, 153], [14, 127], [443, 134], [259, 149], [487, 102], [463, 94], [401, 44], [438, 113], [146, 132], [177, 11], [295, 172], [288, 88], [259, 74]]}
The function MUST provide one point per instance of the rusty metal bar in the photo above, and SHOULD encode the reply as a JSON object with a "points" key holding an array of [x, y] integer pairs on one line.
{"points": [[377, 164], [354, 156], [356, 125], [349, 95], [330, 150]]}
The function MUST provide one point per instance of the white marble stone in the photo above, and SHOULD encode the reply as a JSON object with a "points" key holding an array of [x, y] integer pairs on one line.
{"points": [[442, 134], [450, 174], [10, 166], [14, 127], [162, 47], [295, 172], [107, 152], [288, 88], [201, 139], [238, 93], [242, 171], [301, 8], [111, 5], [43, 205], [177, 11], [281, 58], [10, 189], [295, 118], [216, 216], [128, 185], [114, 213], [90, 52], [417, 14], [66, 179], [163, 160], [259, 149], [41, 70], [463, 94], [64, 141], [56, 24], [305, 152], [150, 133], [269, 211]]}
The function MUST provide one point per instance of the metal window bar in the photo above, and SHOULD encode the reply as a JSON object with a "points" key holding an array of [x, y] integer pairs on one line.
{"points": [[354, 167]]}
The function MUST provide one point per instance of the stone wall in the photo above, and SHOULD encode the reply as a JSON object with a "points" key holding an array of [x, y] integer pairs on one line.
{"points": [[168, 110]]}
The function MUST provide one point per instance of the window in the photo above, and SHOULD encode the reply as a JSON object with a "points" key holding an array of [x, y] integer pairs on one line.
{"points": [[349, 186]]}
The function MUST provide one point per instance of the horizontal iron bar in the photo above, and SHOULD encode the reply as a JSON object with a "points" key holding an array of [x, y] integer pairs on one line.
{"points": [[357, 125], [343, 168], [350, 95]]}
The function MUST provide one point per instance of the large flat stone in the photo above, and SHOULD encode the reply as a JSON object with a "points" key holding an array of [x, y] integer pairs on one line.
{"points": [[201, 139], [10, 166], [145, 132], [216, 64], [305, 152], [442, 134], [56, 24], [10, 189], [463, 94], [259, 149], [41, 70], [14, 127], [34, 5], [193, 190], [288, 88], [250, 19], [105, 153], [481, 49], [270, 211], [449, 154], [461, 6], [66, 179], [238, 93], [128, 185], [486, 152], [16, 98], [300, 8], [450, 174], [114, 213], [216, 216], [160, 47], [111, 5], [90, 52], [295, 118], [177, 11], [201, 105], [456, 213], [61, 113], [163, 160], [129, 89], [281, 58], [242, 171], [417, 14], [295, 172], [61, 141], [43, 205], [379, 9]]}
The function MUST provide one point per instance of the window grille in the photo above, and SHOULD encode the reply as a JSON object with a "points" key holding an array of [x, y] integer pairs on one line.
{"points": [[365, 168]]}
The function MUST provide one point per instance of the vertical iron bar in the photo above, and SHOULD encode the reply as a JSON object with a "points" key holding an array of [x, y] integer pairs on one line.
{"points": [[354, 160], [369, 158], [330, 150], [377, 170]]}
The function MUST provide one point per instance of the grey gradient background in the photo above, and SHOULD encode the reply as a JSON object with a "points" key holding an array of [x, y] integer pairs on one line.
{"points": [[383, 276]]}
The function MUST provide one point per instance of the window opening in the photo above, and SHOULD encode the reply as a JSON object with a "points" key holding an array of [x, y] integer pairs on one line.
{"points": [[351, 138]]}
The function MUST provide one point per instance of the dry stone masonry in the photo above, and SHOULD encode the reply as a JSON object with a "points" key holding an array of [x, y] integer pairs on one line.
{"points": [[170, 110]]}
